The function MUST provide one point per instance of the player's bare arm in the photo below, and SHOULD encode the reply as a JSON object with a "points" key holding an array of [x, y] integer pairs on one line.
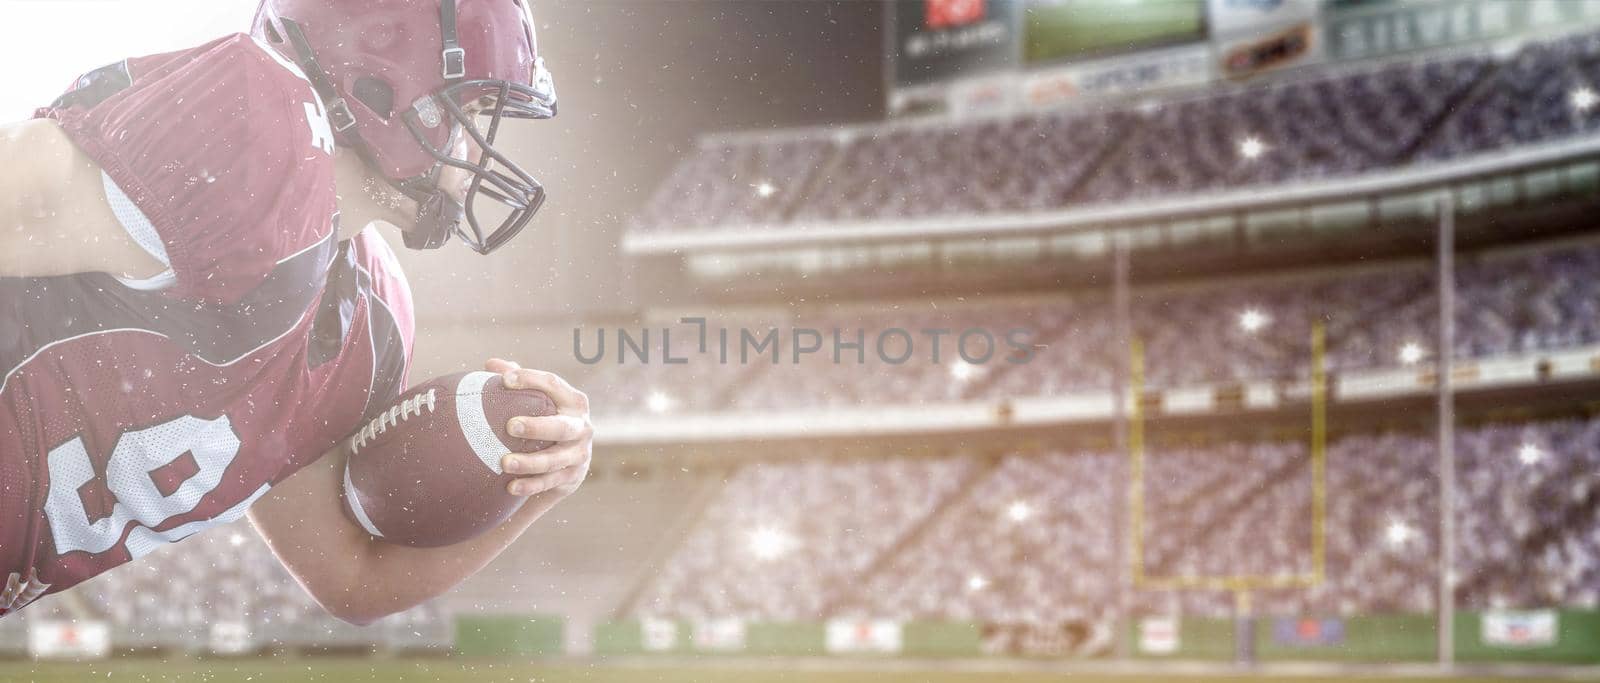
{"points": [[54, 218], [359, 578]]}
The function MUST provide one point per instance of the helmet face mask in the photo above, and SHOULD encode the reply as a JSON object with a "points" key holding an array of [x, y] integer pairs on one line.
{"points": [[454, 70], [493, 175]]}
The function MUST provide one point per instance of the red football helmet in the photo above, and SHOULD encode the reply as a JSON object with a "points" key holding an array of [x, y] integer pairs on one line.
{"points": [[403, 80]]}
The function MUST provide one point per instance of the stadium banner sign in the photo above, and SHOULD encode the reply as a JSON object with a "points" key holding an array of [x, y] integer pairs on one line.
{"points": [[1233, 18], [1305, 632], [938, 41], [658, 635], [1257, 36], [1129, 75], [865, 636], [1159, 635], [978, 96], [720, 635], [1361, 29], [1077, 638], [69, 639], [1520, 629], [228, 638]]}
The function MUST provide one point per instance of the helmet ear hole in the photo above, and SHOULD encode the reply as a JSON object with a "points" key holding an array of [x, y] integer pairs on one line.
{"points": [[376, 94], [272, 32]]}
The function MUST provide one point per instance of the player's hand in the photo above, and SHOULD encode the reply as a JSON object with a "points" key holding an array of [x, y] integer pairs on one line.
{"points": [[563, 466]]}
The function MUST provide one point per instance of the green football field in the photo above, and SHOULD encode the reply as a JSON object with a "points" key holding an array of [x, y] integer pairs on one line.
{"points": [[444, 671]]}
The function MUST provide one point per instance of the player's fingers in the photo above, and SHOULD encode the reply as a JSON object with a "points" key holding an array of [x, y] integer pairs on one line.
{"points": [[568, 400], [539, 483], [550, 428], [553, 459], [501, 365]]}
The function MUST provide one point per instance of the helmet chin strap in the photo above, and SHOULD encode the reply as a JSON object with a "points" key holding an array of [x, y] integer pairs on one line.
{"points": [[438, 214], [437, 218]]}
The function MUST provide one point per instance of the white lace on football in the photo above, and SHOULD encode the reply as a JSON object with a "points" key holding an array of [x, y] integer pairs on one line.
{"points": [[391, 418]]}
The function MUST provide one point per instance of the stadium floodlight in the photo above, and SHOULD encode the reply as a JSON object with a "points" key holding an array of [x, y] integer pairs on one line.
{"points": [[659, 402], [1252, 147], [765, 189], [1019, 511], [236, 540], [768, 543], [1530, 454], [1398, 534], [1253, 320], [1583, 99], [962, 371], [976, 583], [1411, 353]]}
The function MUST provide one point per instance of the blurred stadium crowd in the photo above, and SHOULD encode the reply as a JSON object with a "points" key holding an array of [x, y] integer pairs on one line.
{"points": [[1211, 332], [1338, 123], [1028, 537]]}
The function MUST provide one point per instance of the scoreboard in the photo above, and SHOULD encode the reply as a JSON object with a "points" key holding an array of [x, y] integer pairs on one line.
{"points": [[941, 40], [1058, 30]]}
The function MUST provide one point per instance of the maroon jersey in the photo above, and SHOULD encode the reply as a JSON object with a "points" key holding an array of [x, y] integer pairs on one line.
{"points": [[136, 413]]}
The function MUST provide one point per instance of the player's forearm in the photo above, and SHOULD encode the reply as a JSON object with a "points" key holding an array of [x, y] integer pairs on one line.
{"points": [[354, 576], [390, 578]]}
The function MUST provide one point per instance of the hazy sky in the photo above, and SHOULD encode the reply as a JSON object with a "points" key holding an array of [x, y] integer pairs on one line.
{"points": [[44, 44]]}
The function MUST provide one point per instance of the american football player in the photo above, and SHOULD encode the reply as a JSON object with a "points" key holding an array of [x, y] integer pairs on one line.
{"points": [[196, 307]]}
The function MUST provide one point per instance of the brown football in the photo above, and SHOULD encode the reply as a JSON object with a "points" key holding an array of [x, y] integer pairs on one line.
{"points": [[426, 472]]}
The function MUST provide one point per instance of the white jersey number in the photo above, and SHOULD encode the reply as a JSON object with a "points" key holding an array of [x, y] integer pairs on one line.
{"points": [[213, 446], [321, 131], [316, 114]]}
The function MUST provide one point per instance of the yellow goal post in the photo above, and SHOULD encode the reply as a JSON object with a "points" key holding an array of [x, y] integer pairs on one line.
{"points": [[1319, 501]]}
